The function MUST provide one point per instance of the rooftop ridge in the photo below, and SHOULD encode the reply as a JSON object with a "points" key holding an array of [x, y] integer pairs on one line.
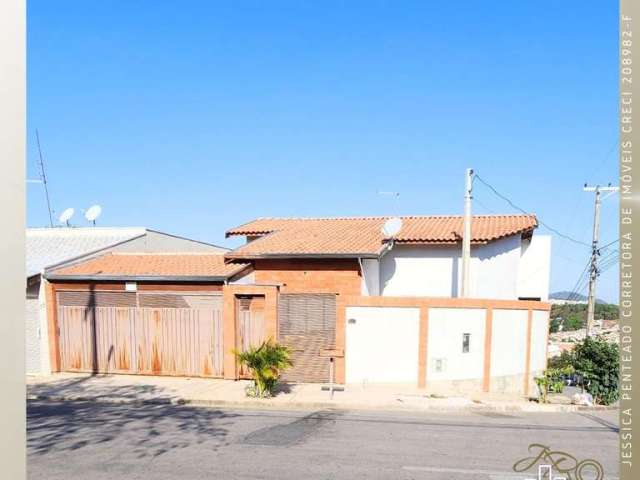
{"points": [[168, 254], [379, 217], [64, 229]]}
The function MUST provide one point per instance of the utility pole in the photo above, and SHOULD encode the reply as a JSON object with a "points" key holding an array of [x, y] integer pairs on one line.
{"points": [[466, 232], [593, 272]]}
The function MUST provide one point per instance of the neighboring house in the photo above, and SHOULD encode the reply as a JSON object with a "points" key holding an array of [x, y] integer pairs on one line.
{"points": [[334, 290], [47, 247], [142, 313]]}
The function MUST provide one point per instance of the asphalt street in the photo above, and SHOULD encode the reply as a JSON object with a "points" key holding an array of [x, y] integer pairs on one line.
{"points": [[97, 441]]}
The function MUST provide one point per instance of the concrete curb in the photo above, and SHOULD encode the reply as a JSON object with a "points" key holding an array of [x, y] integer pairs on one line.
{"points": [[271, 405]]}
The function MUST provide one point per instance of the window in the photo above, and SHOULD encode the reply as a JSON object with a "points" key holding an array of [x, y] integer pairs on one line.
{"points": [[466, 340]]}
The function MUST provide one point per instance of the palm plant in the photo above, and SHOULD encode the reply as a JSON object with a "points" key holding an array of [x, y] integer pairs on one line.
{"points": [[265, 362]]}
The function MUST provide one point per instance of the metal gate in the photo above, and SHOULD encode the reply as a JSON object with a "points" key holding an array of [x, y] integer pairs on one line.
{"points": [[141, 333], [307, 325]]}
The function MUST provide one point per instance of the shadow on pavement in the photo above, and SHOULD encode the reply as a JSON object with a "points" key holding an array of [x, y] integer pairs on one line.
{"points": [[91, 387], [151, 430]]}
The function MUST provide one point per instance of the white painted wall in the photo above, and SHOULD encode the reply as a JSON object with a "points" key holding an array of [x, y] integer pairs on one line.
{"points": [[37, 331], [419, 271], [32, 336], [535, 264], [45, 363], [494, 269], [508, 342], [382, 345], [539, 329], [444, 341], [434, 271], [370, 277]]}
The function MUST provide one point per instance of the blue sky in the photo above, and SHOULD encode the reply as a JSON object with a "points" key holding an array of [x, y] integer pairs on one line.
{"points": [[196, 118]]}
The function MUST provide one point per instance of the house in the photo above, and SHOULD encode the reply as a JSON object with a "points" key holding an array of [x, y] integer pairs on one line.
{"points": [[49, 247], [347, 301], [507, 261], [389, 309]]}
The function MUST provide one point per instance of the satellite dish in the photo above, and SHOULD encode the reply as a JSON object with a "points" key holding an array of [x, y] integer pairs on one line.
{"points": [[93, 213], [392, 227], [66, 216]]}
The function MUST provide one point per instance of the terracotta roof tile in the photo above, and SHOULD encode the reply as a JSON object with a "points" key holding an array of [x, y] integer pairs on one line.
{"points": [[362, 236], [132, 265]]}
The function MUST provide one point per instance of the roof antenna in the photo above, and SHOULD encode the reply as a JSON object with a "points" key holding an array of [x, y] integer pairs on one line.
{"points": [[44, 180], [396, 197]]}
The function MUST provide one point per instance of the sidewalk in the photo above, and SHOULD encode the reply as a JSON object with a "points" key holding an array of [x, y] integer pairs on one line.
{"points": [[214, 392]]}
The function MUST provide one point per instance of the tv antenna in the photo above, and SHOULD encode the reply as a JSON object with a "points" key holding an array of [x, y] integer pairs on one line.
{"points": [[66, 216], [43, 177], [396, 198], [93, 213]]}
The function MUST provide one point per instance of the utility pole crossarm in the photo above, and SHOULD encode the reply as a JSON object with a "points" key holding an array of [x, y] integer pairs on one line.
{"points": [[601, 189]]}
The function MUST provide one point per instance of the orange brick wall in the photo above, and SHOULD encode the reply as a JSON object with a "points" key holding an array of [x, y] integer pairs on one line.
{"points": [[311, 276]]}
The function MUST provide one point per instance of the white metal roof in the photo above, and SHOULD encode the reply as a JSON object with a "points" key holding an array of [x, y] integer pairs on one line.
{"points": [[50, 246]]}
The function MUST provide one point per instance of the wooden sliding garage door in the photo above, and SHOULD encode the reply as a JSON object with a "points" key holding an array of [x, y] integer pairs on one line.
{"points": [[307, 325], [141, 333]]}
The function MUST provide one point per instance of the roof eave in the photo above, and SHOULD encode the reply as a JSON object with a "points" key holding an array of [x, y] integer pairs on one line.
{"points": [[276, 256], [140, 278]]}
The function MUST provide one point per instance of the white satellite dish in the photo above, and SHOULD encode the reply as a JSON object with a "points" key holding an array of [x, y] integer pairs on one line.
{"points": [[66, 216], [93, 213], [392, 227]]}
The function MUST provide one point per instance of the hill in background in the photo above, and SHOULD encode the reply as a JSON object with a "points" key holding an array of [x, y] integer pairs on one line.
{"points": [[564, 295]]}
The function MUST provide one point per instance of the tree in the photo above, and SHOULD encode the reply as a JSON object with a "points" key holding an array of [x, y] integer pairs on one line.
{"points": [[598, 363], [573, 322], [265, 363]]}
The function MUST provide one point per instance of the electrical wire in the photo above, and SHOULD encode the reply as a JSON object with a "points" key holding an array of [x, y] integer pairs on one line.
{"points": [[581, 279], [510, 202], [608, 244]]}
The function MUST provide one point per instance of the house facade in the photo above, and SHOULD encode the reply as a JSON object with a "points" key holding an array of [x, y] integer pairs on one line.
{"points": [[352, 305], [350, 256]]}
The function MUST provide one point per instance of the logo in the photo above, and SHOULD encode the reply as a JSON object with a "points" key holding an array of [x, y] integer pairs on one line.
{"points": [[565, 466]]}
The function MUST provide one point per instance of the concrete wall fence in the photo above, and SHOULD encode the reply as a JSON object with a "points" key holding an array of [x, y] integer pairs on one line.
{"points": [[458, 345], [441, 344]]}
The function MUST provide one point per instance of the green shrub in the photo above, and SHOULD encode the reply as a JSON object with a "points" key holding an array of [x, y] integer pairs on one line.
{"points": [[265, 363], [552, 381], [565, 359], [597, 361]]}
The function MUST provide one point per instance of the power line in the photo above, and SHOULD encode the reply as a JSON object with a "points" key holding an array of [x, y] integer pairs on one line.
{"points": [[506, 199], [484, 206], [576, 289], [607, 264], [608, 244]]}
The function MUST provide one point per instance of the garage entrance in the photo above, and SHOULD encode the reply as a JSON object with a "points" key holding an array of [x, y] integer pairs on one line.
{"points": [[155, 333], [382, 345]]}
